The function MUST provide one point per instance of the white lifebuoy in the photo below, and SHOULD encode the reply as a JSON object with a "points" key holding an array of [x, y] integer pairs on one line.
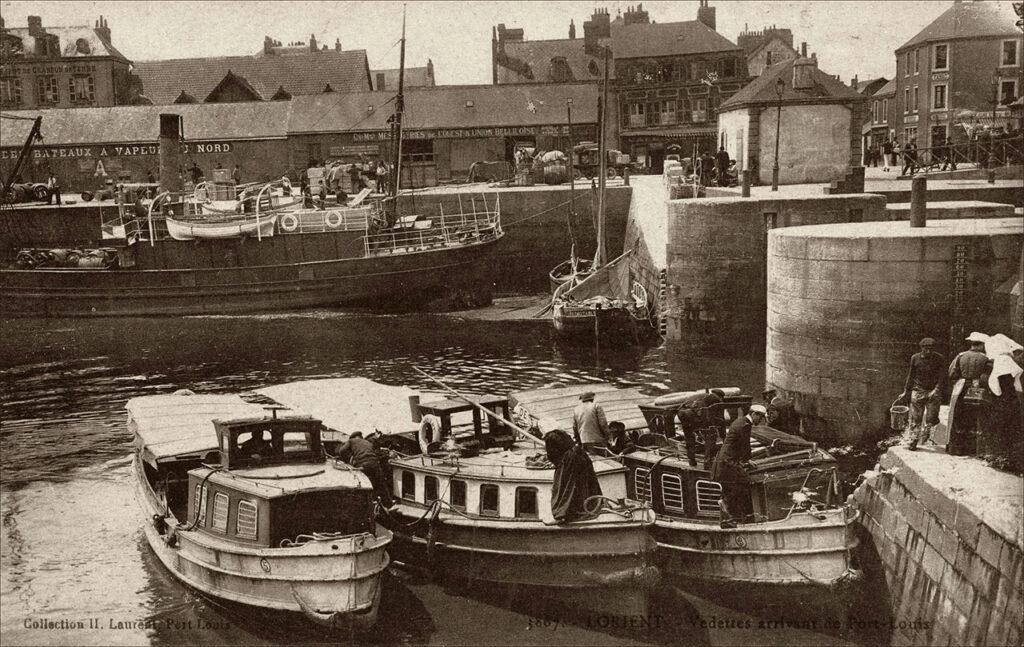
{"points": [[430, 431], [289, 222], [333, 219]]}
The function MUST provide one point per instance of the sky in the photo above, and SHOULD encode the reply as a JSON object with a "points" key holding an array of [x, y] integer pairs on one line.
{"points": [[850, 37]]}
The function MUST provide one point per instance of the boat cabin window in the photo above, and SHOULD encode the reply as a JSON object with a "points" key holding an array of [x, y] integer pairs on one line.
{"points": [[642, 483], [409, 486], [429, 489], [672, 492], [457, 494], [200, 504], [250, 443], [709, 493], [489, 500], [526, 503], [245, 521], [220, 512]]}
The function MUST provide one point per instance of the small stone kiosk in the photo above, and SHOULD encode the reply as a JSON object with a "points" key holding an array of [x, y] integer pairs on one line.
{"points": [[819, 137]]}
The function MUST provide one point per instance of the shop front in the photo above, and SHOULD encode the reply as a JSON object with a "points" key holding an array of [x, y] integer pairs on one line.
{"points": [[649, 147]]}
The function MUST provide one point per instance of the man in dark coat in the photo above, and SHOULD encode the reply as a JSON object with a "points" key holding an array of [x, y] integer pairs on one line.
{"points": [[362, 454], [722, 164], [730, 471], [923, 390], [700, 413], [574, 481]]}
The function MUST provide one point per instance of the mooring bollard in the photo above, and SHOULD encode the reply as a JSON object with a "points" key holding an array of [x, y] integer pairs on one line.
{"points": [[625, 175], [918, 201], [746, 183]]}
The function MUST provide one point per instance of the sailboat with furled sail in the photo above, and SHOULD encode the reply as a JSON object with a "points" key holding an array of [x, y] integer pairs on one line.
{"points": [[602, 301]]}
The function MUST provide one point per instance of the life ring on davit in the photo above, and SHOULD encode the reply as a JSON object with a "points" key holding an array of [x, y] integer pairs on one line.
{"points": [[289, 222], [333, 219], [430, 431]]}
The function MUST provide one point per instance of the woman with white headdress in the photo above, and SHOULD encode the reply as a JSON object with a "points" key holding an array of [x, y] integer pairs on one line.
{"points": [[968, 373], [1001, 426]]}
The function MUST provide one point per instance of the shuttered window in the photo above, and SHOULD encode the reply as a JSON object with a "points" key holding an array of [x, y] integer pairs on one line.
{"points": [[709, 493], [245, 523], [200, 503], [672, 491], [220, 512], [642, 483]]}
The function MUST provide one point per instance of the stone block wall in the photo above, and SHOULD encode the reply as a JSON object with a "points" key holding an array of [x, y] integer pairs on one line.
{"points": [[716, 260], [946, 545]]}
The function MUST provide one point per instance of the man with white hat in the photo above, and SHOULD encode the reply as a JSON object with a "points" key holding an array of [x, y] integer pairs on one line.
{"points": [[923, 390], [729, 468], [968, 373], [589, 424]]}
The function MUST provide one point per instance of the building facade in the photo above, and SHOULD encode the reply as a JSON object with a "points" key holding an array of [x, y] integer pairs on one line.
{"points": [[880, 122], [815, 118], [61, 67], [671, 79], [959, 75], [447, 129]]}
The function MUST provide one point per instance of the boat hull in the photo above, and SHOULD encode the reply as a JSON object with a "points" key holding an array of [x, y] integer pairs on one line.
{"points": [[794, 562], [333, 583], [608, 567], [607, 324], [234, 280]]}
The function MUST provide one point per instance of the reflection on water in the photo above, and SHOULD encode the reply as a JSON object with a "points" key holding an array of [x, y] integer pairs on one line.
{"points": [[72, 552]]}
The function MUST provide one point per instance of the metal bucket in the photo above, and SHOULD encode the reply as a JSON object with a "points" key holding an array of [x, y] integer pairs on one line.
{"points": [[899, 417]]}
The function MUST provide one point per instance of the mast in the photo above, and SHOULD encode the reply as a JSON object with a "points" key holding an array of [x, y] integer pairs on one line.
{"points": [[572, 188], [599, 255], [396, 165]]}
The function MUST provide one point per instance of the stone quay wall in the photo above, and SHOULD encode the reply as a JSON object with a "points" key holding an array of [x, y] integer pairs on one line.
{"points": [[943, 542], [717, 267]]}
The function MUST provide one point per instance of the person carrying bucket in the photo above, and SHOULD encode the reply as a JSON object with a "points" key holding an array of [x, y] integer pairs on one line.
{"points": [[923, 390]]}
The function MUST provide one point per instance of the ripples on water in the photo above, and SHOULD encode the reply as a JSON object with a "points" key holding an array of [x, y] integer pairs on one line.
{"points": [[72, 548]]}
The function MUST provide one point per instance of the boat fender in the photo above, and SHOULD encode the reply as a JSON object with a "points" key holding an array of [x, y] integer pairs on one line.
{"points": [[430, 431], [333, 219], [289, 222]]}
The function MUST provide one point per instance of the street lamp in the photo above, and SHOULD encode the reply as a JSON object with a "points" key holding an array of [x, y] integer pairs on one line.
{"points": [[780, 87]]}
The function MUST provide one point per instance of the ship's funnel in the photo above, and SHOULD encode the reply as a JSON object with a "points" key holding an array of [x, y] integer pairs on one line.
{"points": [[171, 169]]}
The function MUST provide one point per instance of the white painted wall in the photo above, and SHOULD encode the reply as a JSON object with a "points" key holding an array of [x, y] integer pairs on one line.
{"points": [[733, 125], [814, 145]]}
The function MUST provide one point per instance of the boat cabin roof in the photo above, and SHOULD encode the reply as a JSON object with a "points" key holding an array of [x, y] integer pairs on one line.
{"points": [[180, 425], [497, 465], [552, 408]]}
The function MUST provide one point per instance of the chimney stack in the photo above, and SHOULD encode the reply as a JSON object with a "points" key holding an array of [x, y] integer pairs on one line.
{"points": [[706, 14], [572, 30], [803, 73], [803, 49], [337, 44], [268, 45], [35, 26], [103, 29], [312, 43]]}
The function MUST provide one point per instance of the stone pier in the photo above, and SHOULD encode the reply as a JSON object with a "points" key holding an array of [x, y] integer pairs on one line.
{"points": [[944, 549]]}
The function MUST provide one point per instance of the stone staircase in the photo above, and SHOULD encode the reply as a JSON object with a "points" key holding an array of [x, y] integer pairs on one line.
{"points": [[852, 182]]}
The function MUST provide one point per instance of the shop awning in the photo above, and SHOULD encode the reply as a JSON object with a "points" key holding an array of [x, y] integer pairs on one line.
{"points": [[671, 133]]}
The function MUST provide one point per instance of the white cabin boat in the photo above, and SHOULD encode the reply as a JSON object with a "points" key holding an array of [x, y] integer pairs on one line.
{"points": [[479, 509], [245, 507]]}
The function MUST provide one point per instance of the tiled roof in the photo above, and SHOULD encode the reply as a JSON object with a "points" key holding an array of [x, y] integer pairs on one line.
{"points": [[415, 77], [443, 107], [886, 90], [345, 71], [537, 55], [119, 124], [668, 39], [864, 87], [768, 41], [68, 38], [827, 89], [969, 20]]}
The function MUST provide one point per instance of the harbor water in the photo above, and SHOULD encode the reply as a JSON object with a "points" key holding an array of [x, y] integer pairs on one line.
{"points": [[76, 568]]}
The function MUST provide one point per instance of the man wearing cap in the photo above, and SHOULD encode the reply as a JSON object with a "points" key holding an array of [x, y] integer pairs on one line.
{"points": [[968, 373], [729, 468], [589, 423], [923, 390]]}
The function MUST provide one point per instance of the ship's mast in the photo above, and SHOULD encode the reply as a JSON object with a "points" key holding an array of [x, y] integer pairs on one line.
{"points": [[396, 165], [600, 254]]}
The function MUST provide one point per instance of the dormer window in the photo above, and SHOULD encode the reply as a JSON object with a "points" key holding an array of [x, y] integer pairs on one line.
{"points": [[469, 103], [82, 46]]}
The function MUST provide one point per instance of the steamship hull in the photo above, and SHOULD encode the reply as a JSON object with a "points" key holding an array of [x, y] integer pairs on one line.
{"points": [[237, 276]]}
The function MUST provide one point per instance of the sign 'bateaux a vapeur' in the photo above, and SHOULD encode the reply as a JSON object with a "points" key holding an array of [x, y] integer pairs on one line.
{"points": [[118, 150], [464, 133]]}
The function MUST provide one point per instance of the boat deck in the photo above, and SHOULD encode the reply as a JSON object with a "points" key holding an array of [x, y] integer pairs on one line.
{"points": [[552, 408]]}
